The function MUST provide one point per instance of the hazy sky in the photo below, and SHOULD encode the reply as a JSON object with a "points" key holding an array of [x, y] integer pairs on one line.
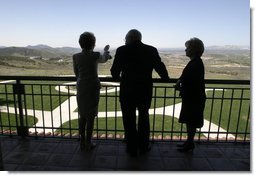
{"points": [[163, 23]]}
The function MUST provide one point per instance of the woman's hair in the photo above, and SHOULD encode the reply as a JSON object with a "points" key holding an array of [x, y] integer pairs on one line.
{"points": [[87, 40], [196, 45]]}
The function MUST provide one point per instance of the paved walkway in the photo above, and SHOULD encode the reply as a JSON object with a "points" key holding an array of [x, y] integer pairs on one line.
{"points": [[66, 112], [50, 154]]}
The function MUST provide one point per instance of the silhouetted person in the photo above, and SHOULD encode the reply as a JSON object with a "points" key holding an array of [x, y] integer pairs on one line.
{"points": [[133, 65], [85, 66], [192, 90]]}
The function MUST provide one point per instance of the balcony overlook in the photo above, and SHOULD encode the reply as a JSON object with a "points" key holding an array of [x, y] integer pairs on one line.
{"points": [[39, 128], [45, 45]]}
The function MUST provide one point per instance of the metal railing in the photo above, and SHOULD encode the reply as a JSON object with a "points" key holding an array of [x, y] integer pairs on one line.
{"points": [[46, 107]]}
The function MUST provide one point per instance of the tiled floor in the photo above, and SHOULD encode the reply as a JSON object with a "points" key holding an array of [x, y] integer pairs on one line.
{"points": [[64, 155]]}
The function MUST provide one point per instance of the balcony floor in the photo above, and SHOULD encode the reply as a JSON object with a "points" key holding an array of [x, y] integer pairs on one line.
{"points": [[64, 155]]}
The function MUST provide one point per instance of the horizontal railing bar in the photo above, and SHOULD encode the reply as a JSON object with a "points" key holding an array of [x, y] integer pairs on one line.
{"points": [[214, 98], [113, 96], [110, 79]]}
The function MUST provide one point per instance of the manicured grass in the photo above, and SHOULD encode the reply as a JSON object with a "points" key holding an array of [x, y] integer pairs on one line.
{"points": [[111, 101], [231, 114], [10, 123], [168, 124], [37, 96], [43, 96], [113, 104]]}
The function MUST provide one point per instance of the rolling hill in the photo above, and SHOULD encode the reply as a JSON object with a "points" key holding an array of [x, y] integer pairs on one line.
{"points": [[221, 62], [42, 51]]}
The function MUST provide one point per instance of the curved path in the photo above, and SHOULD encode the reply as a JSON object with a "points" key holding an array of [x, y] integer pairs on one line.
{"points": [[66, 112]]}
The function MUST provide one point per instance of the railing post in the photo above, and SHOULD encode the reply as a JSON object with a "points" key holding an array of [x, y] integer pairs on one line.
{"points": [[19, 90]]}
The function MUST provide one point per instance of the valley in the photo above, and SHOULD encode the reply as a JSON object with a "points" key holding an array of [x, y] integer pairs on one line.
{"points": [[41, 60]]}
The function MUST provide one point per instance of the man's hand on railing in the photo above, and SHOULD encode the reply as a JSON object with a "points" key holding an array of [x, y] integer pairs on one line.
{"points": [[116, 78], [166, 79], [177, 86]]}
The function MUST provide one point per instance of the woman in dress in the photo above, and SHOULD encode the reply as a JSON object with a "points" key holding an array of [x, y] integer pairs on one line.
{"points": [[191, 85]]}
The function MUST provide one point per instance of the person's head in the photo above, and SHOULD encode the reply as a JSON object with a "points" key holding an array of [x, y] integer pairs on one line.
{"points": [[87, 40], [133, 36], [194, 47]]}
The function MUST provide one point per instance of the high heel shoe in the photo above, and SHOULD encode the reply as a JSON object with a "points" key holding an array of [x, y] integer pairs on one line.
{"points": [[187, 148]]}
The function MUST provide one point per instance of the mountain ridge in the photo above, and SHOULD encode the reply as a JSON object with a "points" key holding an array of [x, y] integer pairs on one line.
{"points": [[45, 51]]}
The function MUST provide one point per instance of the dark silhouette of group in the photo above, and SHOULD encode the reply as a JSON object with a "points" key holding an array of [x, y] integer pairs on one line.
{"points": [[133, 65]]}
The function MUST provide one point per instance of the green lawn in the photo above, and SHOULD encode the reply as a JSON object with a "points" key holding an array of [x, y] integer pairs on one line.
{"points": [[37, 97], [43, 96], [230, 114], [168, 124], [10, 123], [111, 101]]}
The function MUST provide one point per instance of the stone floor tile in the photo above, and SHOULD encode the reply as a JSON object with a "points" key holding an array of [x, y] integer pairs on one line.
{"points": [[107, 150], [105, 162], [221, 164], [65, 155], [66, 147], [27, 146], [140, 163], [212, 152], [237, 153], [198, 164], [16, 157], [37, 159], [10, 167], [8, 145], [59, 160], [30, 168], [175, 164], [82, 161], [241, 164], [46, 147], [59, 168]]}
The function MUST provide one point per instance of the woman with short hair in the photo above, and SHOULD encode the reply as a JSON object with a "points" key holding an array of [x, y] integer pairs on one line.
{"points": [[85, 66], [191, 85]]}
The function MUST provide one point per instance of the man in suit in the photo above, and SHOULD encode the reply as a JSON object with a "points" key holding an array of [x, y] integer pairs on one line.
{"points": [[133, 65]]}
